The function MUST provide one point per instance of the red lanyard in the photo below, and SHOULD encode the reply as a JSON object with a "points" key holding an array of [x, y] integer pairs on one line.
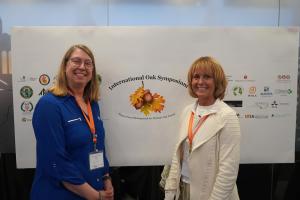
{"points": [[90, 121], [191, 133]]}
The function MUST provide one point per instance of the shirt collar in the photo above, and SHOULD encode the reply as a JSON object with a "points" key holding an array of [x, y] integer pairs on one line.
{"points": [[207, 109]]}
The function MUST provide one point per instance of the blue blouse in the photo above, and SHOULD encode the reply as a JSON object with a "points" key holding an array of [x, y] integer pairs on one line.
{"points": [[63, 144]]}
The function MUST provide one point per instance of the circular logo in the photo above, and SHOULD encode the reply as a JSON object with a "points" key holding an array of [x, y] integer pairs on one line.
{"points": [[26, 92], [252, 90], [237, 91], [26, 106], [44, 79]]}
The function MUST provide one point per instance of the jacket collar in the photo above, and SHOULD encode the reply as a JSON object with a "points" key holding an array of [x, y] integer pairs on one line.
{"points": [[211, 125]]}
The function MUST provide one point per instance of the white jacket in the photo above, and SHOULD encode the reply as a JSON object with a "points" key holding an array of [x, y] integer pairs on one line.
{"points": [[214, 159]]}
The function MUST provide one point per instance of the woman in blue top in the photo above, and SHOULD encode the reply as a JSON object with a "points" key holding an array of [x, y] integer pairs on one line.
{"points": [[71, 158]]}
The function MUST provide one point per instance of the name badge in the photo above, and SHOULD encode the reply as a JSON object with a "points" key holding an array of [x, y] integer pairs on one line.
{"points": [[96, 160]]}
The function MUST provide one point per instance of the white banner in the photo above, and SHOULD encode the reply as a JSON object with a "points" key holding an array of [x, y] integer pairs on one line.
{"points": [[261, 65]]}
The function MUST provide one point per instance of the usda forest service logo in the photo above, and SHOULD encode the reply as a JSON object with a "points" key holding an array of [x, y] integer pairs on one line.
{"points": [[44, 79], [26, 92]]}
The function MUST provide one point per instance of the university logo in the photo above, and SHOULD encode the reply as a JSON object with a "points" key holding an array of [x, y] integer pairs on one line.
{"points": [[26, 92], [44, 79], [26, 107]]}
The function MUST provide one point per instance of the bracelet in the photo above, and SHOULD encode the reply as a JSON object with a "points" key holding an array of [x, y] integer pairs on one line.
{"points": [[106, 177]]}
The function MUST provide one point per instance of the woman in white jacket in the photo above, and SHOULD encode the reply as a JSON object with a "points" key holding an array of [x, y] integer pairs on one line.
{"points": [[206, 159]]}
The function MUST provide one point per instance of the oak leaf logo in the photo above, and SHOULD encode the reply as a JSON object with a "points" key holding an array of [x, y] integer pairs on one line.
{"points": [[143, 100]]}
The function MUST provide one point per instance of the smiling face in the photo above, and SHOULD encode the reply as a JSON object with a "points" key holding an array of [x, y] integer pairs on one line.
{"points": [[203, 86], [206, 80], [79, 70]]}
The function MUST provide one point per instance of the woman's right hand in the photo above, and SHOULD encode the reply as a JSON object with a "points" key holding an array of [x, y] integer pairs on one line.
{"points": [[106, 194]]}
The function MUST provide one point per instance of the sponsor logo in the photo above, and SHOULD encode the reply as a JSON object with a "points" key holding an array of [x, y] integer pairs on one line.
{"points": [[43, 92], [237, 90], [262, 105], [44, 79], [32, 79], [283, 92], [284, 104], [24, 79], [252, 91], [261, 116], [26, 92], [249, 116], [283, 78], [256, 116], [234, 103], [245, 78], [266, 92], [274, 104], [24, 119], [229, 78], [239, 115], [26, 106], [281, 115]]}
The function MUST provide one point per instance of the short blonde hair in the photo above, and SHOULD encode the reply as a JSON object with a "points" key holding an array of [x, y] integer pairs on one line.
{"points": [[60, 88], [211, 65]]}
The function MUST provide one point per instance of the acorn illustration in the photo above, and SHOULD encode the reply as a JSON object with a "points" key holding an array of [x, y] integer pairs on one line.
{"points": [[148, 98], [142, 99], [139, 105]]}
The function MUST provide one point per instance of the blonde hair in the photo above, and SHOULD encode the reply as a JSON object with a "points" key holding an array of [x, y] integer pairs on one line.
{"points": [[209, 64], [60, 88]]}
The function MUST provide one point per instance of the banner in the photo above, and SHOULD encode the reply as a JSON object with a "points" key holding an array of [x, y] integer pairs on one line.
{"points": [[261, 65]]}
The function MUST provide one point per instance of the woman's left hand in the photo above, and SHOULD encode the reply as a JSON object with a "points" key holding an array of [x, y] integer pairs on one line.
{"points": [[108, 192]]}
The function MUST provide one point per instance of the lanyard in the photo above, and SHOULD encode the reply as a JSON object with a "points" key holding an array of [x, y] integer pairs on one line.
{"points": [[191, 133], [90, 121]]}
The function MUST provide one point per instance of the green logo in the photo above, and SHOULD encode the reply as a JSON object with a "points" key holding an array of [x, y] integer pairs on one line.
{"points": [[26, 92], [237, 91]]}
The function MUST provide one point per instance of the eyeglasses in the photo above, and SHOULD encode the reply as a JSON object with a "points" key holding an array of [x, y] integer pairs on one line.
{"points": [[78, 62]]}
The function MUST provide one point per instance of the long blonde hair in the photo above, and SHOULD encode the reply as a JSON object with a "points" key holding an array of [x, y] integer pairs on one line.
{"points": [[60, 88]]}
